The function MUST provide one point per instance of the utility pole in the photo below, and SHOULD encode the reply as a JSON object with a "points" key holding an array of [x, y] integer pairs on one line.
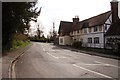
{"points": [[53, 28]]}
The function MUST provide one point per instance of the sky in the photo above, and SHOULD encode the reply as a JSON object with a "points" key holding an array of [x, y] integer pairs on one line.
{"points": [[64, 10]]}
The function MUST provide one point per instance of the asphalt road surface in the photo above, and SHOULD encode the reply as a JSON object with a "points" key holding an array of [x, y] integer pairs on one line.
{"points": [[44, 60]]}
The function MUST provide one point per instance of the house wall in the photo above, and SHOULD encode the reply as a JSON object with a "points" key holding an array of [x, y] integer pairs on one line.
{"points": [[108, 23], [101, 29], [65, 40], [93, 35]]}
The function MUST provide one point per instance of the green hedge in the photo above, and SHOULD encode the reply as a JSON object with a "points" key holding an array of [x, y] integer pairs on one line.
{"points": [[77, 44], [118, 46]]}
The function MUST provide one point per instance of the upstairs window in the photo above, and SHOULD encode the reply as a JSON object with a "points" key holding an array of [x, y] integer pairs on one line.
{"points": [[78, 31], [95, 28], [85, 30], [90, 30], [85, 25], [100, 28], [105, 27]]}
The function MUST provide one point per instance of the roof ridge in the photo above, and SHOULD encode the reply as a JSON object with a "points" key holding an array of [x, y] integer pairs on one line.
{"points": [[66, 21], [95, 16]]}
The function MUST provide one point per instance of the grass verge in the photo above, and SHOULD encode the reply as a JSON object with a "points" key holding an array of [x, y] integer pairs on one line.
{"points": [[19, 44]]}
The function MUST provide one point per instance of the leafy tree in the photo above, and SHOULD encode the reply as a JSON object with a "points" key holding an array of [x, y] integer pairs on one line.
{"points": [[39, 32], [15, 18]]}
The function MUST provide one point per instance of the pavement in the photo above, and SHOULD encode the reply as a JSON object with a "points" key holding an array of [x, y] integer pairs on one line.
{"points": [[8, 58]]}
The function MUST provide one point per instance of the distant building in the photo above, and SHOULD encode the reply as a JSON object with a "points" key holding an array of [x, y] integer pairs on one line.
{"points": [[91, 32]]}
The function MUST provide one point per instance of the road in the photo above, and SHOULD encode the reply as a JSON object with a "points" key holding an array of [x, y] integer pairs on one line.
{"points": [[44, 60]]}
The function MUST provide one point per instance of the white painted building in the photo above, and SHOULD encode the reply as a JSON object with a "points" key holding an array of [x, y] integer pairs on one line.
{"points": [[91, 32]]}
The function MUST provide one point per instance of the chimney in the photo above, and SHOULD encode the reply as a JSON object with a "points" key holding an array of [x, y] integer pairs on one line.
{"points": [[76, 19], [114, 9]]}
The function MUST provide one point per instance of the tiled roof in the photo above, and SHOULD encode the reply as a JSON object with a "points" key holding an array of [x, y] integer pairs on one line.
{"points": [[93, 21], [114, 29], [99, 19], [67, 27]]}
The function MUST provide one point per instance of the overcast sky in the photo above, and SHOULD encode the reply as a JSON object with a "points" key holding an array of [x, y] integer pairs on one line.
{"points": [[65, 10]]}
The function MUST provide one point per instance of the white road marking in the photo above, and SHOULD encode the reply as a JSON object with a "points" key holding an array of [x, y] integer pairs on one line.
{"points": [[53, 50], [52, 55], [43, 49], [107, 64], [55, 56], [91, 64], [92, 71]]}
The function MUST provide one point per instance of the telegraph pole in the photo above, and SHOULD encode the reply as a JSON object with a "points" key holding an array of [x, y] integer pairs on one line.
{"points": [[54, 32]]}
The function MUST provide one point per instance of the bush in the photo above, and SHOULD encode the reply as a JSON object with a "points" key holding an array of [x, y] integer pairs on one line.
{"points": [[19, 40], [77, 44], [118, 46]]}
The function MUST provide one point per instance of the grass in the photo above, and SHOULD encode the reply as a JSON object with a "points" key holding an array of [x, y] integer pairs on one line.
{"points": [[18, 44]]}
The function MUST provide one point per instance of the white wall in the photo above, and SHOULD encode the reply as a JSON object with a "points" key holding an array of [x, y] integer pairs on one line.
{"points": [[61, 43], [101, 40], [109, 20], [67, 40]]}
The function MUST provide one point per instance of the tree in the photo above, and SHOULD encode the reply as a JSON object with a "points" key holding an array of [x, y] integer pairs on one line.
{"points": [[39, 32], [16, 17]]}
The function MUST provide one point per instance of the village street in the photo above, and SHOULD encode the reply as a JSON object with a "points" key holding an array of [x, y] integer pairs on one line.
{"points": [[45, 60]]}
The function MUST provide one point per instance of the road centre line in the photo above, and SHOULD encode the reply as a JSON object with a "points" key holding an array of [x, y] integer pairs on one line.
{"points": [[52, 55], [55, 56], [91, 64], [43, 49], [107, 64], [93, 71]]}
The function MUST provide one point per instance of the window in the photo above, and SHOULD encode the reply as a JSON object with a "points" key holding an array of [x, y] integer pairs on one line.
{"points": [[61, 40], [105, 27], [95, 29], [96, 40], [81, 31], [78, 31], [100, 28], [90, 30], [89, 40], [85, 30]]}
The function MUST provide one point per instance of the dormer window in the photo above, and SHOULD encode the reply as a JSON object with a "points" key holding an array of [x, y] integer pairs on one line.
{"points": [[85, 25], [85, 30], [78, 31], [95, 28]]}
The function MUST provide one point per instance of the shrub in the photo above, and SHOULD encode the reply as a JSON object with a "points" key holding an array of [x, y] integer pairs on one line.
{"points": [[77, 44], [19, 40], [118, 46]]}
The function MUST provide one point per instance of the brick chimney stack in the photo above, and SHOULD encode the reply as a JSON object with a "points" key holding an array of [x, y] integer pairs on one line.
{"points": [[76, 19], [114, 9]]}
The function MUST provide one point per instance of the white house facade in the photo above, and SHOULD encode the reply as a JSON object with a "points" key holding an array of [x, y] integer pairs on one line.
{"points": [[91, 32]]}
